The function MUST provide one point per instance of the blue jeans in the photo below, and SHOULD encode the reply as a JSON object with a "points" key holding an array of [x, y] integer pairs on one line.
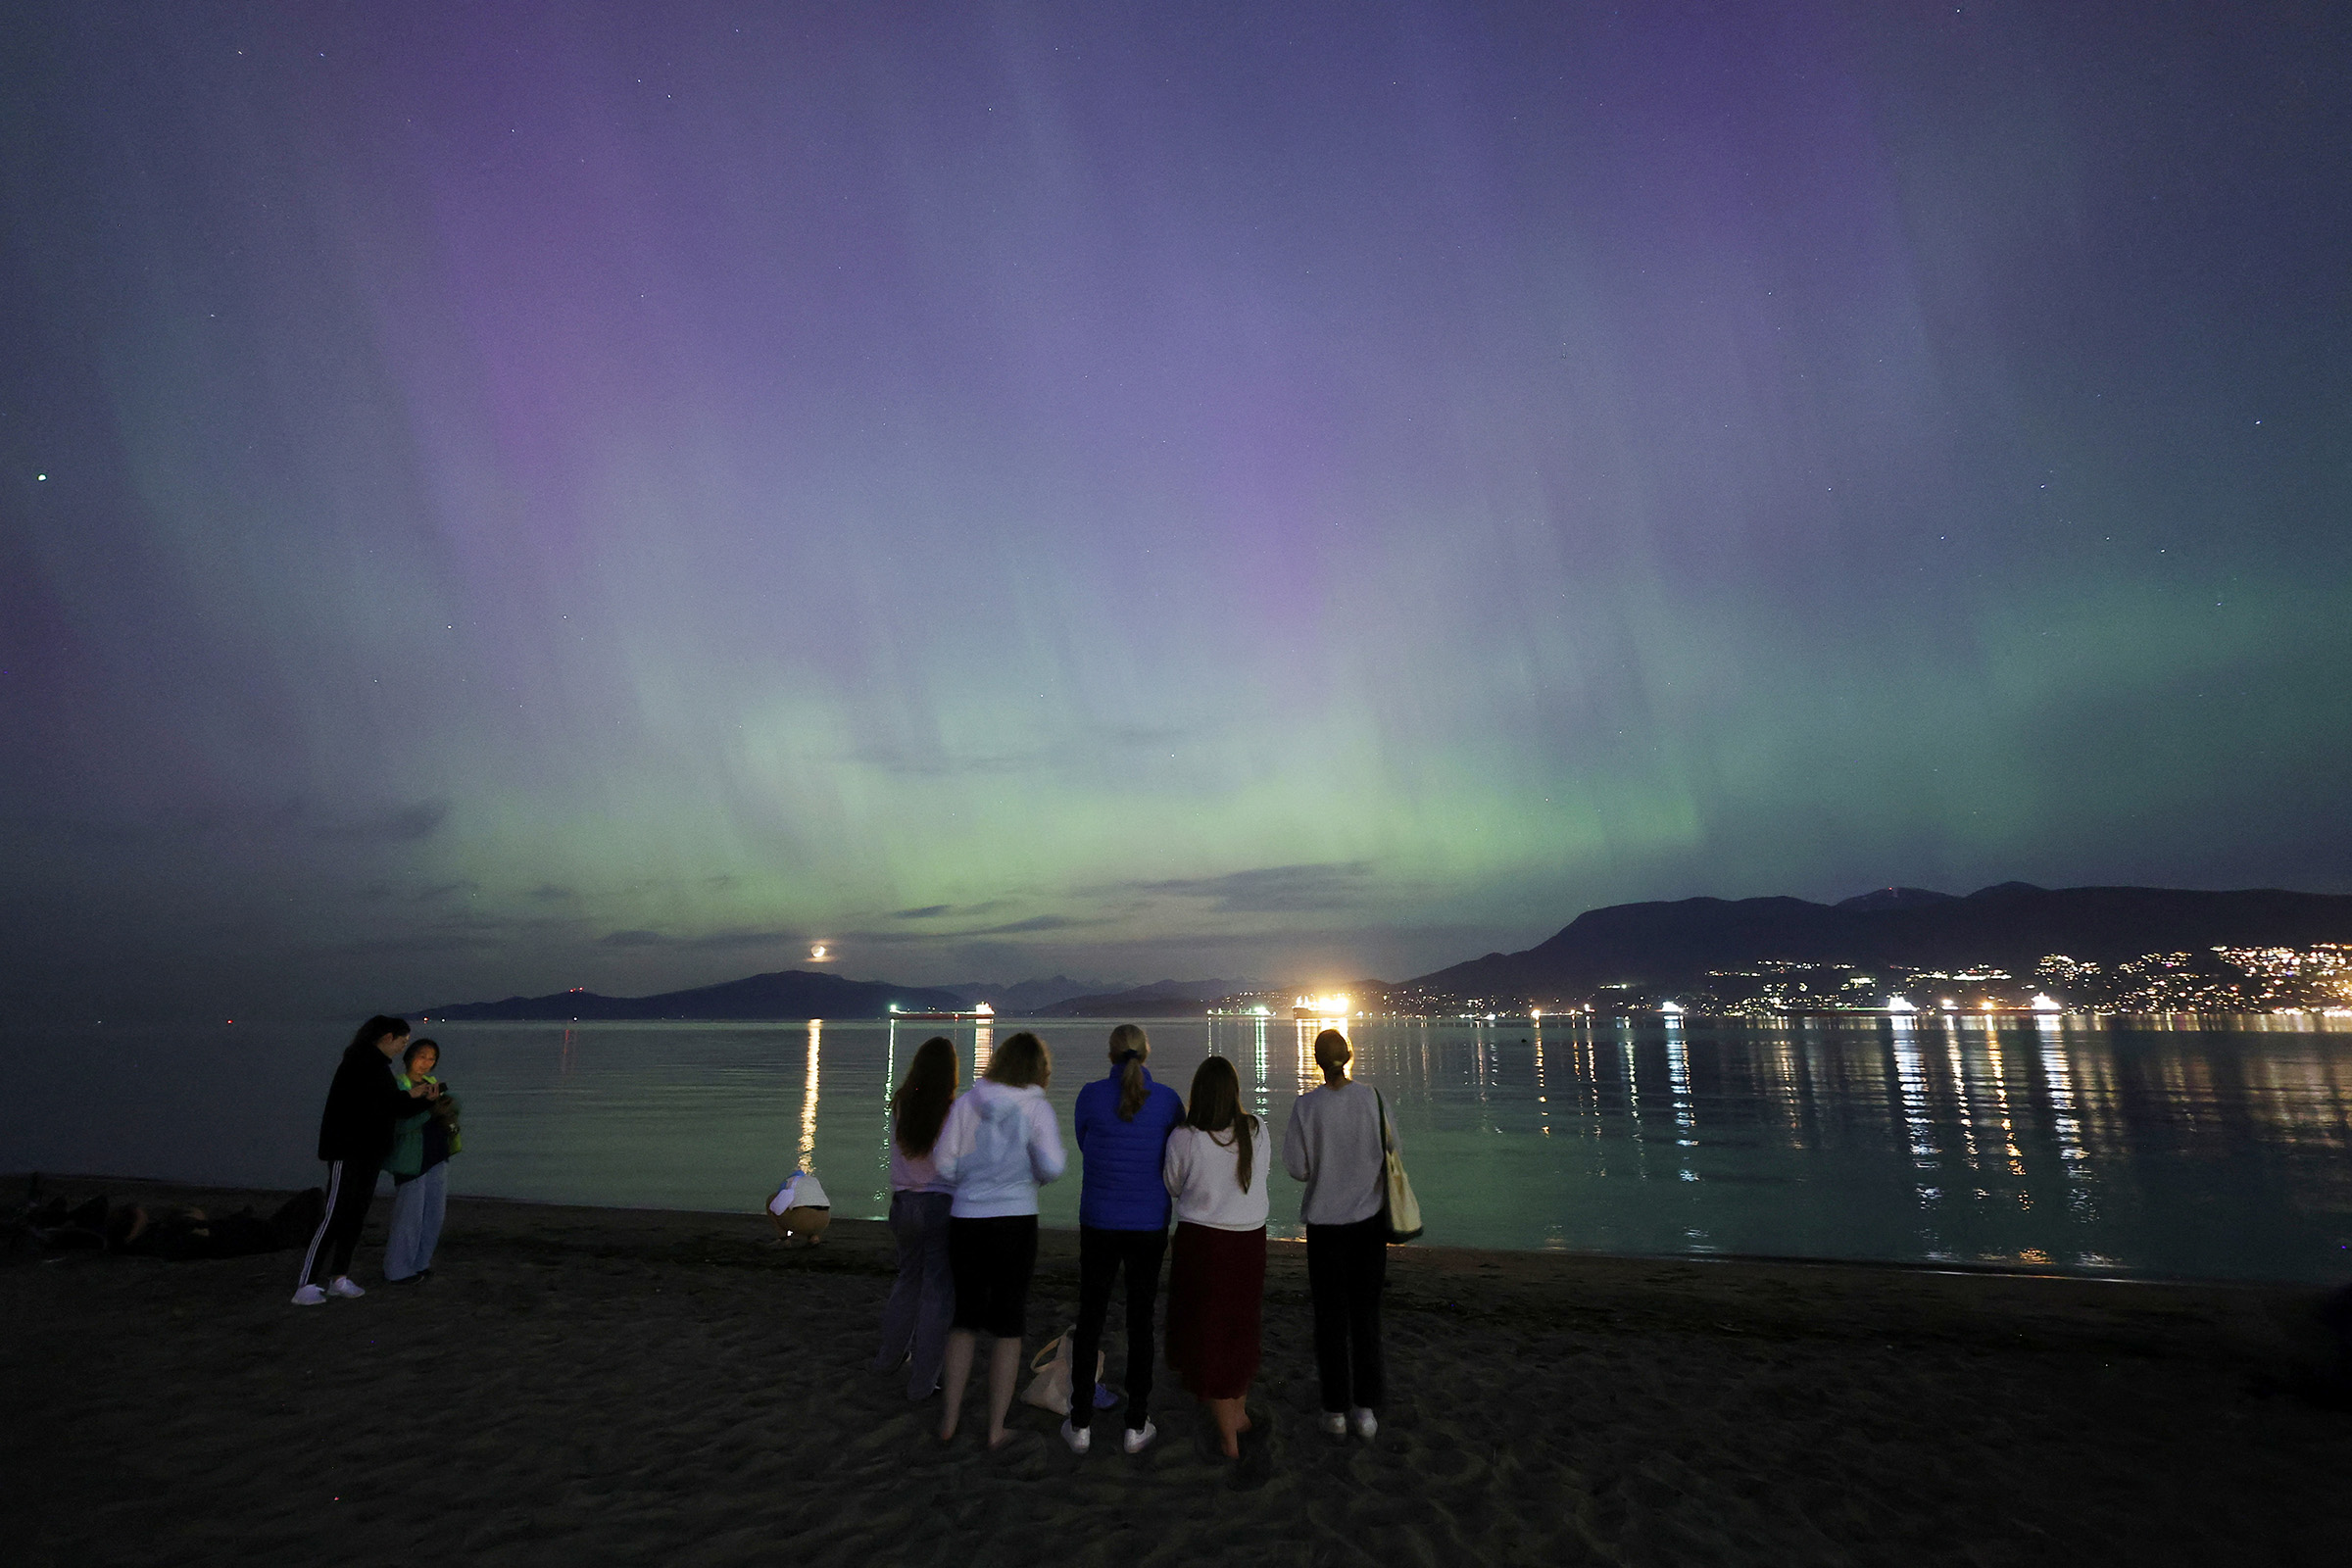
{"points": [[923, 1301], [417, 1205]]}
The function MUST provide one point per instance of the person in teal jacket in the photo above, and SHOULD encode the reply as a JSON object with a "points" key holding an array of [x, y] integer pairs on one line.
{"points": [[421, 1147]]}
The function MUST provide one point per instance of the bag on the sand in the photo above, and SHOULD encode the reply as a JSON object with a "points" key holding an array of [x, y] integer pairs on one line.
{"points": [[1400, 1209], [1050, 1390]]}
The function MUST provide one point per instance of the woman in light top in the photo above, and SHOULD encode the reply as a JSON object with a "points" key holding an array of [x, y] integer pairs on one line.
{"points": [[1334, 1145], [1122, 1124], [1216, 1169], [419, 1165], [915, 1320], [999, 1145]]}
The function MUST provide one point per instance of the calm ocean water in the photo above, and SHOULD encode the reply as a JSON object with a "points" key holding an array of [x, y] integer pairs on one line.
{"points": [[2213, 1147]]}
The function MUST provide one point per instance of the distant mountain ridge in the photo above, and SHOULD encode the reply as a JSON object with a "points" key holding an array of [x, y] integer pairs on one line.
{"points": [[1662, 945], [1026, 998], [782, 993], [2012, 925], [1161, 998]]}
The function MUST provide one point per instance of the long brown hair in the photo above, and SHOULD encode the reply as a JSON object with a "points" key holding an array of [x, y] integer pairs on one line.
{"points": [[1129, 1045], [1021, 1062], [1217, 1104], [920, 1107]]}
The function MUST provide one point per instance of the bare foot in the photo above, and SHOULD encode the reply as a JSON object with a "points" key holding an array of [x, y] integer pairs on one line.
{"points": [[999, 1441], [947, 1433]]}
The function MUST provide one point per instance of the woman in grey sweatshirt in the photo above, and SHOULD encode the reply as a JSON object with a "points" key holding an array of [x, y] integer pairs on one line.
{"points": [[1334, 1144]]}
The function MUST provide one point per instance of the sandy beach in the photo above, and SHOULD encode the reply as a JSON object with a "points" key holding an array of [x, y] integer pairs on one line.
{"points": [[590, 1385]]}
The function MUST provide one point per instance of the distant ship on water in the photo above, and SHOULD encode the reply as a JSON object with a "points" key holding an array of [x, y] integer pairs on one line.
{"points": [[979, 1011]]}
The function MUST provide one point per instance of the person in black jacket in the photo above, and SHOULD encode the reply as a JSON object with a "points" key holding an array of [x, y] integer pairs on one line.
{"points": [[355, 1135]]}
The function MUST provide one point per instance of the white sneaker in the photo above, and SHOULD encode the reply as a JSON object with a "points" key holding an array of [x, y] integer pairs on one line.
{"points": [[310, 1295], [344, 1287], [1138, 1441], [1080, 1439], [1366, 1423], [1335, 1423]]}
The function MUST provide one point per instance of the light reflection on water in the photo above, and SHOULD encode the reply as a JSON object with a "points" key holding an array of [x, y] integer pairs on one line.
{"points": [[2212, 1147]]}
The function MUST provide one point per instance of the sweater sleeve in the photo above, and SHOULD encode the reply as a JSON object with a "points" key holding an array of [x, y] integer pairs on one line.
{"points": [[399, 1102], [954, 1141], [1046, 1161], [1171, 1163], [1294, 1142]]}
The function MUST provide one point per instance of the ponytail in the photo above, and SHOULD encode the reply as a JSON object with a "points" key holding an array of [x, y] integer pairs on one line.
{"points": [[1129, 1045]]}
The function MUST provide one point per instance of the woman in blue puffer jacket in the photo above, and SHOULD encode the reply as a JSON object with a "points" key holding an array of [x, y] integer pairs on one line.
{"points": [[1123, 1123]]}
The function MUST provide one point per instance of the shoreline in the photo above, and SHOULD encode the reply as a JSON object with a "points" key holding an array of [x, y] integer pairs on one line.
{"points": [[584, 1385], [130, 1184]]}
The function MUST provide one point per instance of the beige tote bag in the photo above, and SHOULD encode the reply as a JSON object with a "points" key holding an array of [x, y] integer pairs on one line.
{"points": [[1400, 1209], [1050, 1390]]}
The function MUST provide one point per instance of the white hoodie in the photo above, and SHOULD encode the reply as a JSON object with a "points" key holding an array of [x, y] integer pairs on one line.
{"points": [[999, 1143]]}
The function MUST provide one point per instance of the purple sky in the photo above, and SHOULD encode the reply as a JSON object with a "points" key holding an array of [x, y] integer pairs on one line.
{"points": [[499, 497]]}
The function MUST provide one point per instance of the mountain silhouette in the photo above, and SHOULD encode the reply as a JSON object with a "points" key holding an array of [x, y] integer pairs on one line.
{"points": [[2012, 925], [783, 993]]}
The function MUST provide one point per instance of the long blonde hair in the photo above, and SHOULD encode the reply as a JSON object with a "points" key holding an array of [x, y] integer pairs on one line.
{"points": [[1129, 1047]]}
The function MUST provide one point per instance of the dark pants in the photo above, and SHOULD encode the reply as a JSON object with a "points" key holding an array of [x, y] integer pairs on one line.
{"points": [[1102, 1257], [923, 1301], [1346, 1267], [992, 1260], [350, 1189]]}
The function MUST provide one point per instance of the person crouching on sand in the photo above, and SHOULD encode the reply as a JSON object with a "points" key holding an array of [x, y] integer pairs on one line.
{"points": [[999, 1145], [355, 1135], [421, 1147], [1332, 1145], [1215, 1170], [923, 1300], [1122, 1124]]}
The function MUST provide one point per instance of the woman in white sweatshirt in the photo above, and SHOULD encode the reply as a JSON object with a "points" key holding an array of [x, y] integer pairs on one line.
{"points": [[1215, 1167], [999, 1145]]}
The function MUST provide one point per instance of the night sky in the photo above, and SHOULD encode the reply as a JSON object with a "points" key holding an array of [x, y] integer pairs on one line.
{"points": [[503, 497]]}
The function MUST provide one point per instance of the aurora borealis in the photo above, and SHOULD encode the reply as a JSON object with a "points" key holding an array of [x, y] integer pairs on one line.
{"points": [[504, 497]]}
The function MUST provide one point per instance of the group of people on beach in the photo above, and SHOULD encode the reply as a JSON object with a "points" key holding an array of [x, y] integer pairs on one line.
{"points": [[964, 1173], [387, 1109]]}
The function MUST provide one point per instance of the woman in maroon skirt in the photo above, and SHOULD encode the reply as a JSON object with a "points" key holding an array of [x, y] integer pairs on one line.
{"points": [[1215, 1170]]}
